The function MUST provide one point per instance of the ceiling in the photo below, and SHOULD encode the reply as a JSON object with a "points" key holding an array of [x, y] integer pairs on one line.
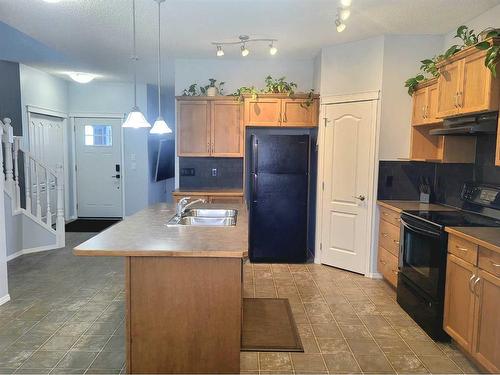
{"points": [[96, 34]]}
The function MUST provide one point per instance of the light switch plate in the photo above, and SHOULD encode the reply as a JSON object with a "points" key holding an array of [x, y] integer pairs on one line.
{"points": [[214, 172]]}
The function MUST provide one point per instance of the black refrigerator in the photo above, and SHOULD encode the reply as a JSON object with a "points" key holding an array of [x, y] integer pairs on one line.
{"points": [[279, 182]]}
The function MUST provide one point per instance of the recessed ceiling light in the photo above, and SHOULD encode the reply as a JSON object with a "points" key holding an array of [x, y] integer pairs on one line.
{"points": [[346, 3], [82, 77]]}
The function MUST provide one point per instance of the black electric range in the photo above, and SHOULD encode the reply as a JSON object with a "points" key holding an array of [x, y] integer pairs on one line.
{"points": [[423, 252]]}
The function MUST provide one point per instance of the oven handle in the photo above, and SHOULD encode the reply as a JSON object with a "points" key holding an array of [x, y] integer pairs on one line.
{"points": [[420, 230]]}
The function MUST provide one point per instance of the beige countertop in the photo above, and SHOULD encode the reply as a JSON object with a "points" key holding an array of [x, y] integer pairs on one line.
{"points": [[400, 206], [485, 237], [209, 191], [146, 234]]}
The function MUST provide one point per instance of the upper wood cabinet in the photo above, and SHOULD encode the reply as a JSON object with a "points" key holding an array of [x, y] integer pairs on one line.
{"points": [[193, 128], [209, 127], [425, 101], [466, 85], [281, 110]]}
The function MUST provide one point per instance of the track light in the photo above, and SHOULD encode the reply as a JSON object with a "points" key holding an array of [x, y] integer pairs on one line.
{"points": [[272, 49], [344, 14], [244, 51], [340, 25], [346, 3], [220, 51]]}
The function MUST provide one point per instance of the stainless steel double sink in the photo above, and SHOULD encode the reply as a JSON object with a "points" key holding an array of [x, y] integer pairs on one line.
{"points": [[205, 217]]}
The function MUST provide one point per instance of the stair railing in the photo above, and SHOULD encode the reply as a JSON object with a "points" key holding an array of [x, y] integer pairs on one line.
{"points": [[43, 186]]}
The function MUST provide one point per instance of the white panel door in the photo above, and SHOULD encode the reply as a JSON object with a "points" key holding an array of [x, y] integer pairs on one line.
{"points": [[98, 167], [46, 138], [346, 177]]}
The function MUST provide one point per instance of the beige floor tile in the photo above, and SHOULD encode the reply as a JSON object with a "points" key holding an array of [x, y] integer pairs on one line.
{"points": [[363, 346], [249, 361], [341, 363], [305, 330], [424, 347], [375, 364], [354, 331], [326, 330], [393, 346], [310, 345], [322, 318], [333, 346], [275, 362], [407, 364], [439, 364], [308, 363]]}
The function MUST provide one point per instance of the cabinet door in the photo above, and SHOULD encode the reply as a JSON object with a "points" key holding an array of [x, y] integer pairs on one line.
{"points": [[193, 128], [419, 106], [448, 88], [388, 266], [432, 104], [296, 112], [262, 112], [459, 301], [227, 129], [476, 92], [486, 346]]}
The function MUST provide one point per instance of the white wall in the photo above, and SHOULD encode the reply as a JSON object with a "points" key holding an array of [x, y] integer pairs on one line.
{"points": [[402, 56], [491, 18], [118, 98], [352, 67], [242, 72]]}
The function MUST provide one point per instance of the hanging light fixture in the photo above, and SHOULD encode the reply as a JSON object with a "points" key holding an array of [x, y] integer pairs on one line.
{"points": [[135, 118], [244, 50], [340, 25], [160, 126], [243, 41]]}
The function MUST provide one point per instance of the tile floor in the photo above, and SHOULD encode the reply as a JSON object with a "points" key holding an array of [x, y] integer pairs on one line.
{"points": [[66, 316]]}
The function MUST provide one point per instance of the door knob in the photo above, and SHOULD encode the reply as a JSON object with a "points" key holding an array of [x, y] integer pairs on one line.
{"points": [[360, 197]]}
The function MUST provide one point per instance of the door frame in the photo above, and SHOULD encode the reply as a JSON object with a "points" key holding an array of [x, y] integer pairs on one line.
{"points": [[371, 227], [115, 116], [32, 109]]}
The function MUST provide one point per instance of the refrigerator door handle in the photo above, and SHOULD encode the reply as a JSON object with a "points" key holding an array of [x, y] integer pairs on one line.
{"points": [[254, 188], [255, 154]]}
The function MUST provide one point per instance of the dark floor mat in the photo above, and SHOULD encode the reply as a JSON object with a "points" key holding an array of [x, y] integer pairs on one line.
{"points": [[268, 325], [90, 225]]}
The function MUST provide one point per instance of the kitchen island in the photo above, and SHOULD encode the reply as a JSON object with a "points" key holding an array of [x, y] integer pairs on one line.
{"points": [[183, 290]]}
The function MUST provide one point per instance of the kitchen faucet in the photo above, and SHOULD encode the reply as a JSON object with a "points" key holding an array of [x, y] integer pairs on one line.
{"points": [[184, 204]]}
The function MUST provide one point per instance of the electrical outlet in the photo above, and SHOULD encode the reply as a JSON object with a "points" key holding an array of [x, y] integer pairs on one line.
{"points": [[187, 172], [214, 172]]}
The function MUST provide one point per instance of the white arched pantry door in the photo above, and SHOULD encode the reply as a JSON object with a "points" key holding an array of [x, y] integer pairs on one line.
{"points": [[348, 165]]}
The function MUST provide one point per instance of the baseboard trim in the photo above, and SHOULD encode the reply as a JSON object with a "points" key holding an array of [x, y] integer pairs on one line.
{"points": [[4, 299], [374, 275], [31, 251]]}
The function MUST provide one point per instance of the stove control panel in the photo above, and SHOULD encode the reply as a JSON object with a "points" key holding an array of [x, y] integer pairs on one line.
{"points": [[483, 195]]}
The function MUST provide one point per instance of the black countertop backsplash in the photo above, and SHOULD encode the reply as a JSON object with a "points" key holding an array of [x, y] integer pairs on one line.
{"points": [[400, 180], [229, 173]]}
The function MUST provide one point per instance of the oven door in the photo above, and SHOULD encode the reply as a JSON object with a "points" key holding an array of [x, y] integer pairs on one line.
{"points": [[422, 252]]}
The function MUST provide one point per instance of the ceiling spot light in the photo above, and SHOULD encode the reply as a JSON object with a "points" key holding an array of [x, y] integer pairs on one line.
{"points": [[272, 49], [220, 51], [82, 77], [346, 3], [340, 25], [244, 51], [344, 14]]}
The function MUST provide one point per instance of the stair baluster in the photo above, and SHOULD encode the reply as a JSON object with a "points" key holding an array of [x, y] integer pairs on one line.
{"points": [[60, 223], [16, 172], [7, 144], [27, 181], [37, 188]]}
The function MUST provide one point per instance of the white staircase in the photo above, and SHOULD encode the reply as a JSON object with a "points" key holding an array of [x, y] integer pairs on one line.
{"points": [[35, 194]]}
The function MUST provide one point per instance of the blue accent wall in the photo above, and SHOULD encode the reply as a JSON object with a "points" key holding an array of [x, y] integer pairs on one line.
{"points": [[10, 95]]}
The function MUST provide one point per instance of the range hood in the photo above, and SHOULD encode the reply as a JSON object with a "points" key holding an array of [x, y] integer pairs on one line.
{"points": [[485, 123]]}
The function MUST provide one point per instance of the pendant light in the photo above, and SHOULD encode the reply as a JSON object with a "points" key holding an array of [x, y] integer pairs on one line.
{"points": [[135, 118], [160, 126]]}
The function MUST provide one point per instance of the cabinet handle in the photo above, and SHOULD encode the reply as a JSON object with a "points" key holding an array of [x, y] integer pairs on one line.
{"points": [[213, 148], [284, 117], [475, 284], [426, 111], [208, 147], [494, 264], [396, 242], [385, 235], [383, 262], [470, 282], [460, 99], [461, 248], [456, 100]]}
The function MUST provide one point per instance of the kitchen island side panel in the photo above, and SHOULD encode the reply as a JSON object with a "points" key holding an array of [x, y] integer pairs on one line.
{"points": [[184, 315]]}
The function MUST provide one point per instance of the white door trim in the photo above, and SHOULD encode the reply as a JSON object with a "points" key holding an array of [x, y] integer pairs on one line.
{"points": [[348, 98], [118, 116], [33, 109], [373, 175]]}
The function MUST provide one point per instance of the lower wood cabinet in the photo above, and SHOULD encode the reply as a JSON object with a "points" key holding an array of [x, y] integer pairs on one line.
{"points": [[472, 303], [388, 245]]}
